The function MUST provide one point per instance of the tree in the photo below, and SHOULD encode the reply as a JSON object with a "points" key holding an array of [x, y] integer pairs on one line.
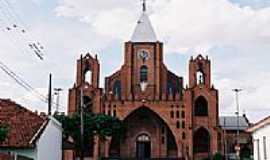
{"points": [[94, 124], [217, 156], [3, 132]]}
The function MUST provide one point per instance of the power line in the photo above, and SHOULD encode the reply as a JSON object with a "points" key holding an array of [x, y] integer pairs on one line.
{"points": [[24, 84]]}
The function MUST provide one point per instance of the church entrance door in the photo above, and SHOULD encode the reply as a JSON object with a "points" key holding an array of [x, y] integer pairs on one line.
{"points": [[143, 147]]}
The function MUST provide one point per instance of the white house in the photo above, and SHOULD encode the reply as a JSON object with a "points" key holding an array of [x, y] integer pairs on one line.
{"points": [[30, 136], [261, 139]]}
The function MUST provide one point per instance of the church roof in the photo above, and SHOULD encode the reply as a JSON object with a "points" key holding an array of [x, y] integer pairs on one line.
{"points": [[230, 123], [144, 31]]}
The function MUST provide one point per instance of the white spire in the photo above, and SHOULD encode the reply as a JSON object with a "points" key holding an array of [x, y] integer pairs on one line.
{"points": [[144, 31]]}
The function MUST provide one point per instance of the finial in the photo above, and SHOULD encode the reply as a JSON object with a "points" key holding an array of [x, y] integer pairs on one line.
{"points": [[144, 5]]}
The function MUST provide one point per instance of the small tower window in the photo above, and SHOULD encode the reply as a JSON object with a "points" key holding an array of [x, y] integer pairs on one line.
{"points": [[88, 76], [144, 74], [200, 77]]}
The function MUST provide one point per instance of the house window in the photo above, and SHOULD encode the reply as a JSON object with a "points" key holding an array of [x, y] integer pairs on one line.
{"points": [[258, 149], [144, 74], [264, 148]]}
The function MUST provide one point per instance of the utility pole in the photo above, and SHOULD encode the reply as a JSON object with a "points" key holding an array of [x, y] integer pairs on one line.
{"points": [[50, 95], [237, 147], [81, 111], [57, 93]]}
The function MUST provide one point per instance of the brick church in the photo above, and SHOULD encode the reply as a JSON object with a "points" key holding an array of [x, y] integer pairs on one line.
{"points": [[163, 118]]}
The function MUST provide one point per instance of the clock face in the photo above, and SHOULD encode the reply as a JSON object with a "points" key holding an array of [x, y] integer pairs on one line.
{"points": [[143, 54]]}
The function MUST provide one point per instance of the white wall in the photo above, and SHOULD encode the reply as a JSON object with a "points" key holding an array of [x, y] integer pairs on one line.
{"points": [[49, 145], [258, 144]]}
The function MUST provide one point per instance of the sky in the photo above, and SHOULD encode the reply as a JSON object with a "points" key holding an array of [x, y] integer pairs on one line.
{"points": [[234, 34]]}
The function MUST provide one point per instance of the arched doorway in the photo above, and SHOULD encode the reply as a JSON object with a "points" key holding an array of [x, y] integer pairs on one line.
{"points": [[143, 147], [146, 136], [201, 141]]}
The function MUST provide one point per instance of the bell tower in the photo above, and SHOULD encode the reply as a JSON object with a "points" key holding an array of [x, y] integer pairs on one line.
{"points": [[200, 71], [202, 101], [87, 80], [143, 60]]}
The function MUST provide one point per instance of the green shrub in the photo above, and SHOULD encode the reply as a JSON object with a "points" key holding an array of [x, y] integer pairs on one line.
{"points": [[217, 156], [3, 133]]}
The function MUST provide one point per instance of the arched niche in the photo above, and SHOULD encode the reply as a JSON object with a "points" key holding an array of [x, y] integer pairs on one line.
{"points": [[201, 107]]}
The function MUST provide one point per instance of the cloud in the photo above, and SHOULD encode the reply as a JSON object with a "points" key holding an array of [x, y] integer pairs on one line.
{"points": [[252, 98], [181, 24], [220, 28], [236, 38]]}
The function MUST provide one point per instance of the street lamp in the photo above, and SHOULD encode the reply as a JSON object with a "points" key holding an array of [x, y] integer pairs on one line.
{"points": [[57, 93], [237, 147]]}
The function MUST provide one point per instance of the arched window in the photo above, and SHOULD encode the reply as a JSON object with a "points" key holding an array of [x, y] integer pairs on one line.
{"points": [[88, 104], [201, 107], [88, 76], [177, 124], [143, 74], [143, 138], [201, 141], [170, 87], [200, 77], [117, 88]]}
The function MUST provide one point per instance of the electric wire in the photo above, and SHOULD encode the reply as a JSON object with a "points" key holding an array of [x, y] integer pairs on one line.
{"points": [[25, 85]]}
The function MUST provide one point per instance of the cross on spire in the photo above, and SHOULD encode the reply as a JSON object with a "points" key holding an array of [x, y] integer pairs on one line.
{"points": [[144, 5]]}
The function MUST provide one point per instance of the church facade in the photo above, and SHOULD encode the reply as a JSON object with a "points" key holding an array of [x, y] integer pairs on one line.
{"points": [[163, 119]]}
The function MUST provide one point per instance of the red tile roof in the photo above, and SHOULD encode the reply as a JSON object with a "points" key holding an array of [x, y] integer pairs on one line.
{"points": [[23, 125], [260, 124]]}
